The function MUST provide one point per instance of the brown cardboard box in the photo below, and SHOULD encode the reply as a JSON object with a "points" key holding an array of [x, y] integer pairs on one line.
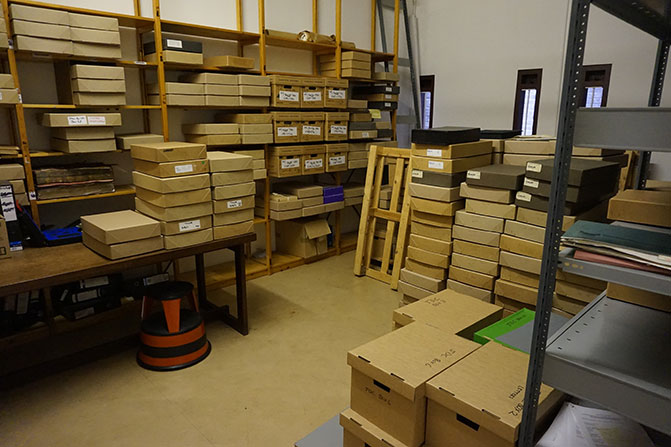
{"points": [[93, 22], [231, 178], [169, 151], [336, 161], [83, 146], [83, 133], [177, 213], [99, 72], [233, 191], [479, 222], [487, 194], [245, 63], [220, 90], [265, 138], [425, 269], [522, 160], [226, 231], [211, 78], [40, 15], [517, 292], [430, 244], [489, 238], [520, 277], [453, 151], [431, 219], [99, 99], [174, 199], [40, 45], [248, 79], [304, 237], [644, 207], [300, 190], [281, 202], [120, 226], [450, 311], [434, 192], [260, 174], [581, 280], [214, 140], [81, 120], [450, 165], [228, 161], [253, 90], [19, 186], [171, 184], [4, 240], [222, 101], [286, 95], [254, 101], [472, 291], [234, 217], [188, 239], [123, 249], [520, 262], [254, 129], [472, 278], [9, 96], [421, 229], [184, 226], [639, 297], [411, 290], [6, 81], [398, 406], [510, 306], [475, 264], [362, 134], [44, 30], [476, 250], [245, 118], [172, 169], [359, 432], [308, 211], [178, 100], [286, 215], [433, 207], [4, 40], [491, 209], [524, 146], [12, 171], [237, 204], [287, 131], [256, 154], [96, 50], [94, 36], [566, 304], [419, 280], [428, 257], [177, 57], [525, 231], [484, 390], [521, 246], [180, 88]]}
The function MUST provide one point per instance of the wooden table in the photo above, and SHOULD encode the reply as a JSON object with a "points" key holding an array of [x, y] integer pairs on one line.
{"points": [[43, 268]]}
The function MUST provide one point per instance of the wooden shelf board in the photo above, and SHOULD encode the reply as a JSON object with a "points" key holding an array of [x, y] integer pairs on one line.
{"points": [[298, 44], [63, 325], [192, 29], [72, 106], [190, 67], [48, 57], [226, 108], [48, 154], [125, 190], [287, 73], [124, 19], [26, 336]]}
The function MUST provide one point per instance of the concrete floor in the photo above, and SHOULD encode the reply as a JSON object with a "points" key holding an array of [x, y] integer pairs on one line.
{"points": [[270, 388]]}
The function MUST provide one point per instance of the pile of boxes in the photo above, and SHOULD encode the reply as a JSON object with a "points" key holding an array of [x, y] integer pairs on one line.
{"points": [[124, 142], [4, 39], [498, 139], [121, 234], [489, 192], [378, 96], [172, 183], [354, 64], [258, 161], [227, 134], [295, 199], [9, 94], [254, 128], [308, 93], [353, 193], [51, 31], [305, 238], [233, 62], [292, 161], [357, 155], [176, 51], [233, 190], [14, 174], [362, 126], [518, 151], [82, 133], [214, 89], [177, 94], [91, 85]]}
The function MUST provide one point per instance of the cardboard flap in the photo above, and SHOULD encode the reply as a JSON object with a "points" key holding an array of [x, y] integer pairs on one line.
{"points": [[317, 228]]}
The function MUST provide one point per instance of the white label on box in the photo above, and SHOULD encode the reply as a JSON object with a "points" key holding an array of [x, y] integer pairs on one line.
{"points": [[94, 282], [312, 96], [181, 169], [339, 130], [20, 98], [287, 131], [0, 96], [337, 160], [32, 195], [234, 204], [434, 152], [531, 183], [85, 296], [155, 279], [475, 175], [140, 62], [84, 313], [436, 164], [337, 94], [387, 104], [365, 135], [387, 89], [97, 121], [534, 167], [292, 163], [314, 164], [22, 300], [77, 120], [523, 196], [312, 130], [416, 173], [387, 96], [190, 225], [7, 203], [174, 43], [286, 95]]}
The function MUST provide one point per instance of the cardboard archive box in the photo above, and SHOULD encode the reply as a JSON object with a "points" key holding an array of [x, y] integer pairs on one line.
{"points": [[304, 237], [121, 234]]}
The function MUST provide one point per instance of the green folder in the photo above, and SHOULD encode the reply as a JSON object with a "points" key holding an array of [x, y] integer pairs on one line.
{"points": [[508, 324]]}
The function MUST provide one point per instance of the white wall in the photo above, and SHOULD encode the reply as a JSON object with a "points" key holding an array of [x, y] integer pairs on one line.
{"points": [[475, 49]]}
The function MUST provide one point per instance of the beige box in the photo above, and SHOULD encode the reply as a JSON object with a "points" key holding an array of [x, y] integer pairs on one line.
{"points": [[81, 120], [171, 184], [399, 406], [174, 199], [644, 207], [234, 191], [253, 90], [99, 86], [211, 78], [475, 264], [520, 262], [472, 291], [95, 36], [428, 257], [188, 239], [521, 159], [257, 139], [233, 177], [126, 141], [177, 213], [99, 99], [487, 194], [40, 45], [245, 118], [211, 128], [305, 238], [96, 50], [260, 174], [521, 246], [44, 30], [577, 292], [93, 22], [214, 140], [287, 131], [9, 96], [499, 210], [233, 217], [18, 186], [425, 269], [177, 57], [432, 219], [450, 165], [517, 292], [475, 279], [313, 210], [359, 432], [520, 277], [222, 101], [478, 221], [476, 250], [422, 229], [12, 171], [639, 297], [461, 150], [230, 205], [434, 207], [525, 231], [40, 15], [169, 151], [123, 249], [219, 89], [434, 192], [286, 215], [119, 226], [244, 63], [419, 280], [476, 236], [412, 291], [178, 100], [286, 96], [100, 72], [581, 280], [521, 146], [430, 244], [6, 81], [226, 231], [185, 226], [83, 146], [253, 129], [229, 161], [177, 88], [254, 101], [336, 161]]}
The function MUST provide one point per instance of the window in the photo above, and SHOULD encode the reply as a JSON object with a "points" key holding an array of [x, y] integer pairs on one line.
{"points": [[426, 84], [527, 100], [594, 82]]}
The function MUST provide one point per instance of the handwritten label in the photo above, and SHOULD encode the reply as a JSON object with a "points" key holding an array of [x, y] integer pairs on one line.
{"points": [[140, 63], [97, 120], [434, 152], [436, 164], [77, 120], [531, 183], [287, 95], [474, 175], [189, 225], [314, 164], [174, 43], [7, 203], [387, 89], [338, 130], [94, 282], [287, 131], [416, 173], [181, 169], [234, 204], [337, 94], [312, 96], [84, 313], [337, 160], [523, 196], [387, 104], [291, 164], [312, 130], [534, 167]]}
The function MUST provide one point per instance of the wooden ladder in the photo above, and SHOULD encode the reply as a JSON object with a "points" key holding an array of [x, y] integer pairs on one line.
{"points": [[371, 212]]}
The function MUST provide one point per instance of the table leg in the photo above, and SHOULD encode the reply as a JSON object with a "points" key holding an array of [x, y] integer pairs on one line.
{"points": [[200, 278], [240, 323]]}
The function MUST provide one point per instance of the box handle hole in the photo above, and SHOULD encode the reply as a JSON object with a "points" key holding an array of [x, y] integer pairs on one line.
{"points": [[381, 385], [468, 422]]}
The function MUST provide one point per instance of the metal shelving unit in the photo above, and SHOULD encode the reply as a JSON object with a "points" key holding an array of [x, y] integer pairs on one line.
{"points": [[653, 17]]}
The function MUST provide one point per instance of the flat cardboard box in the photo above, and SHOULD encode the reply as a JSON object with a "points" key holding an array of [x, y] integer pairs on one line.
{"points": [[521, 246], [245, 63], [475, 264], [254, 101], [253, 129], [538, 203], [211, 78], [522, 160], [639, 297], [174, 199], [422, 229], [18, 186], [257, 139], [12, 171], [476, 250], [99, 99], [230, 205], [219, 89], [432, 219], [430, 244], [93, 22], [567, 304], [577, 292], [234, 217], [171, 184], [234, 191], [286, 215], [487, 194], [40, 15], [188, 239], [472, 278], [81, 119], [305, 237], [411, 291], [177, 88], [214, 140], [583, 172], [177, 57], [226, 231], [44, 30], [83, 146], [581, 280], [525, 231], [211, 128], [256, 154], [9, 96], [4, 40], [248, 79], [434, 192], [525, 146], [574, 194], [6, 81], [433, 207], [300, 190], [419, 280], [486, 390], [520, 277], [176, 213], [425, 269], [245, 118], [83, 133], [499, 210], [472, 291], [95, 36], [510, 306], [41, 45], [520, 262], [517, 292], [96, 50], [497, 176], [488, 238], [231, 178], [172, 169], [479, 222], [172, 99], [640, 206], [280, 202], [4, 240], [120, 226], [260, 174], [222, 101], [428, 257], [389, 376], [185, 226], [169, 151], [359, 432], [450, 166], [228, 162], [123, 249], [100, 72], [313, 210], [460, 150], [253, 90]]}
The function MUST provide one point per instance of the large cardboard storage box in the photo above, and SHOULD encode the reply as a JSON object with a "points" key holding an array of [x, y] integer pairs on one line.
{"points": [[645, 207], [285, 161], [304, 237], [389, 376], [286, 91], [335, 93], [360, 432], [312, 96], [336, 126], [287, 125], [312, 160], [478, 401], [312, 126]]}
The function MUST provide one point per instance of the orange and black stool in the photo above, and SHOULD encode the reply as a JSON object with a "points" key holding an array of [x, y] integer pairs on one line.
{"points": [[174, 338]]}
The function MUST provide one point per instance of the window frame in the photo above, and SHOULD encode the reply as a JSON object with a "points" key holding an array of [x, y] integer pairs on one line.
{"points": [[584, 83], [518, 112], [427, 83]]}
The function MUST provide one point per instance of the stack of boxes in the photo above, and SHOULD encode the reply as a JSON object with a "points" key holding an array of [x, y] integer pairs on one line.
{"points": [[177, 94], [354, 64], [82, 133], [310, 200], [336, 157], [233, 190], [121, 234], [357, 156], [440, 159], [498, 139], [231, 62], [176, 51], [518, 151], [258, 161], [214, 89], [9, 94], [124, 142], [172, 185], [212, 134], [378, 96], [95, 36], [14, 174], [489, 192], [4, 39], [353, 193], [254, 128], [92, 85], [218, 89], [253, 91]]}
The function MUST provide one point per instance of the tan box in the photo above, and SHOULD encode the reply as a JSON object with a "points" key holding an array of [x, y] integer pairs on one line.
{"points": [[12, 171], [475, 264], [428, 257], [430, 244], [245, 63], [253, 90], [450, 165], [335, 93], [510, 306], [99, 99], [581, 280], [174, 199], [178, 100], [99, 86], [211, 128], [236, 204], [305, 238], [125, 141], [257, 139], [499, 210], [475, 279], [254, 101], [478, 221], [214, 140], [476, 250], [4, 240], [452, 151], [95, 36], [253, 129], [425, 269], [286, 215], [223, 101], [44, 30], [248, 79], [81, 120], [171, 184], [566, 304], [521, 246], [359, 432], [419, 280], [434, 207], [226, 231], [177, 57], [93, 22], [411, 291], [431, 219], [123, 249], [434, 192], [177, 213], [9, 96], [522, 160], [83, 133], [188, 239], [40, 45], [517, 292], [362, 134], [520, 262], [313, 210], [286, 95], [211, 78], [489, 238], [472, 291], [336, 130], [18, 186], [513, 146], [644, 207], [311, 131], [525, 231], [355, 73], [230, 178], [40, 15], [119, 226], [520, 277], [96, 50], [185, 226], [177, 88], [486, 194], [229, 161], [6, 81], [422, 229], [234, 217], [336, 161], [260, 174], [577, 292], [313, 163], [100, 72], [219, 89], [83, 146], [639, 297], [168, 151], [246, 118], [234, 191], [399, 406]]}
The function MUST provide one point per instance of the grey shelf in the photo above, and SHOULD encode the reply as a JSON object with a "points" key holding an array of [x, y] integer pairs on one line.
{"points": [[651, 16], [329, 434], [639, 279], [644, 128], [617, 355]]}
